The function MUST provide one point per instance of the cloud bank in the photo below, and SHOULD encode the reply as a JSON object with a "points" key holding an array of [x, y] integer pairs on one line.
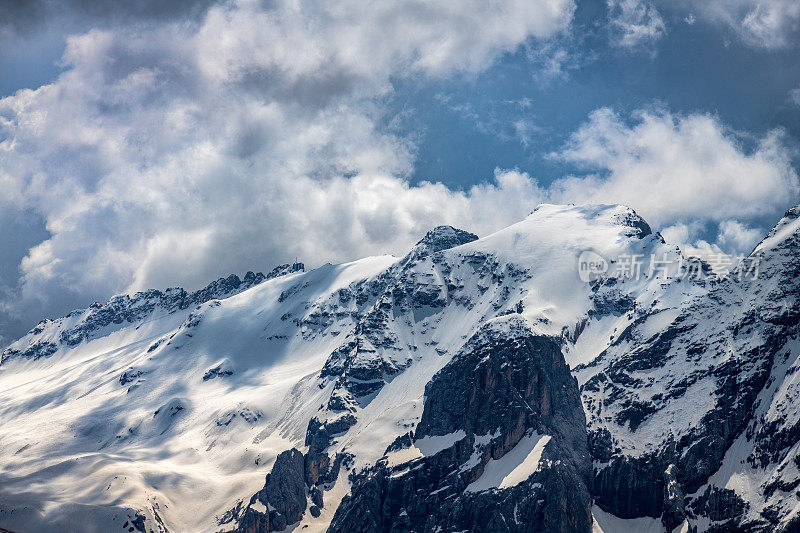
{"points": [[678, 167], [171, 153], [759, 23]]}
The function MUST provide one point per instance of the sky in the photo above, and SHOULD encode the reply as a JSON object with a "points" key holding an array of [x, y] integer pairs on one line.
{"points": [[153, 144]]}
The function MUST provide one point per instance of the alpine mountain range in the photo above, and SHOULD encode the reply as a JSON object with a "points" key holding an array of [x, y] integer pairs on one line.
{"points": [[474, 384]]}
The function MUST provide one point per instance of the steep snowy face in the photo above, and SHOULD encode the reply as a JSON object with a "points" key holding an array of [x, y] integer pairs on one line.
{"points": [[699, 399], [160, 418], [172, 417]]}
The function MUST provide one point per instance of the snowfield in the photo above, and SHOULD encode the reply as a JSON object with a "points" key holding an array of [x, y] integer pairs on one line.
{"points": [[166, 411]]}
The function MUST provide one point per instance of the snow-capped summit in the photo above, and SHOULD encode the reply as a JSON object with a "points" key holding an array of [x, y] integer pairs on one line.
{"points": [[444, 237], [786, 230], [457, 386], [607, 213]]}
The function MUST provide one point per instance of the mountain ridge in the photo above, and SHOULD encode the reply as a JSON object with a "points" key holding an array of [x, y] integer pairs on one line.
{"points": [[338, 364]]}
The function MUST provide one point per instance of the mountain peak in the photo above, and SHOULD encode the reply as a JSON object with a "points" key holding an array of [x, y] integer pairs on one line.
{"points": [[786, 231], [443, 238], [617, 214]]}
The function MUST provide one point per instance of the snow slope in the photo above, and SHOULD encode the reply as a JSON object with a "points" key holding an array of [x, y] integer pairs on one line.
{"points": [[168, 416]]}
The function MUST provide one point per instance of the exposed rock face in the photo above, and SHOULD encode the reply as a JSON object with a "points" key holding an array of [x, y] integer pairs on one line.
{"points": [[297, 482], [283, 496], [371, 355], [508, 391], [675, 399], [416, 288], [674, 512], [631, 485], [724, 509], [221, 370], [443, 238]]}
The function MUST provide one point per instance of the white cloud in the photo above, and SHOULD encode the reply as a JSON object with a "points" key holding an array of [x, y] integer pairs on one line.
{"points": [[173, 153], [794, 96], [678, 167], [759, 23], [685, 236], [769, 24], [635, 22], [738, 238], [734, 240]]}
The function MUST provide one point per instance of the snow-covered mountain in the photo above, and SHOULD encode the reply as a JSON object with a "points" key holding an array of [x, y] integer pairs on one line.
{"points": [[473, 384]]}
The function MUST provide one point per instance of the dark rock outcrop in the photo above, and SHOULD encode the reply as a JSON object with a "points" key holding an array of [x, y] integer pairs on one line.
{"points": [[296, 482], [674, 512], [508, 388], [443, 238], [283, 496]]}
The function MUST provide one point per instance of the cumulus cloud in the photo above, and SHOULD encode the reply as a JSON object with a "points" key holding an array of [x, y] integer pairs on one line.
{"points": [[634, 22], [734, 240], [687, 174], [685, 236], [738, 238], [172, 153], [677, 167]]}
